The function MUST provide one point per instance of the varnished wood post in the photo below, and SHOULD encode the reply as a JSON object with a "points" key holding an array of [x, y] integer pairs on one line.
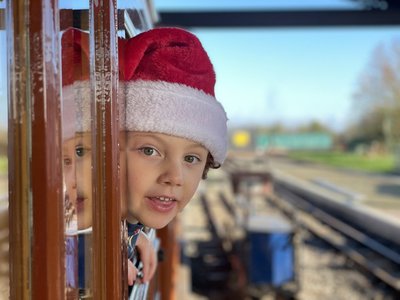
{"points": [[168, 269], [36, 204], [18, 151], [107, 256]]}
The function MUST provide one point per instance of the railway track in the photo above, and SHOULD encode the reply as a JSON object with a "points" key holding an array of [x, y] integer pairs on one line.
{"points": [[370, 254], [375, 252], [367, 251], [221, 262], [211, 267]]}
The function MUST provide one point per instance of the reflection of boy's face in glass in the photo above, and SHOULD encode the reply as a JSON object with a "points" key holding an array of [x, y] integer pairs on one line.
{"points": [[78, 176], [163, 174]]}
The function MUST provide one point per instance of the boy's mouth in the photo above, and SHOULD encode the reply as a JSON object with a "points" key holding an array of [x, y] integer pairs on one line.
{"points": [[80, 203], [164, 198], [162, 203], [80, 199]]}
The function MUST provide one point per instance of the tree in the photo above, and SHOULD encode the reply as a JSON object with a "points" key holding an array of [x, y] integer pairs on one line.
{"points": [[377, 97], [314, 126]]}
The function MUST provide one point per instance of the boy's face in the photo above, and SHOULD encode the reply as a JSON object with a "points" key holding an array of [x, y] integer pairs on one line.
{"points": [[163, 173], [78, 176]]}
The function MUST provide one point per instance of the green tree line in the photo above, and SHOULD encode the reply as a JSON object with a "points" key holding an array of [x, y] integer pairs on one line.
{"points": [[376, 99]]}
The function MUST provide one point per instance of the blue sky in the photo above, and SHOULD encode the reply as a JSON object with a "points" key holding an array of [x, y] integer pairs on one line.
{"points": [[290, 75], [252, 4], [282, 74]]}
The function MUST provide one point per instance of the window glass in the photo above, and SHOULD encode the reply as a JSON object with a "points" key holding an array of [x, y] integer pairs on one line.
{"points": [[76, 138], [134, 17], [4, 282]]}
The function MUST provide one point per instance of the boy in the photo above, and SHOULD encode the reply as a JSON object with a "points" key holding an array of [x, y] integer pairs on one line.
{"points": [[78, 165], [78, 181], [176, 129]]}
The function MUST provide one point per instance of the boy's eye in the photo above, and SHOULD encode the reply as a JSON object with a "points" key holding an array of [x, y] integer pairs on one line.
{"points": [[148, 151], [67, 161], [80, 151], [191, 159]]}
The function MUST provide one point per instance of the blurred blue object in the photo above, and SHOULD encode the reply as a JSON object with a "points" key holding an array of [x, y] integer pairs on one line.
{"points": [[271, 252]]}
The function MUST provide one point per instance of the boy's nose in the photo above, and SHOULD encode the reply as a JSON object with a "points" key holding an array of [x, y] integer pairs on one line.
{"points": [[172, 174], [70, 178]]}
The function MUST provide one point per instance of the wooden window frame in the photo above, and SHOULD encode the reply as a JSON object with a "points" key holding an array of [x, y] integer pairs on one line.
{"points": [[36, 206], [35, 178]]}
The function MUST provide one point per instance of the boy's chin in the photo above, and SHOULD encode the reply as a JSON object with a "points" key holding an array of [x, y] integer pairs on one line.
{"points": [[155, 223]]}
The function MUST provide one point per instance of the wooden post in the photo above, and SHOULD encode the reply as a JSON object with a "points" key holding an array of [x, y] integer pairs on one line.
{"points": [[35, 178], [168, 269], [107, 254]]}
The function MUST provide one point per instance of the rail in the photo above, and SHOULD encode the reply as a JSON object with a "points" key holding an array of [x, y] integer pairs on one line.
{"points": [[366, 251], [228, 206], [212, 225], [223, 259], [211, 265]]}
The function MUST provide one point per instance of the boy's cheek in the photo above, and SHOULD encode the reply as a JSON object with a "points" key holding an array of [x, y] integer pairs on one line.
{"points": [[187, 202]]}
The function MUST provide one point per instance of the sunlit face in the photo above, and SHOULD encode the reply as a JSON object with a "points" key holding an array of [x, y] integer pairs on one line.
{"points": [[163, 174], [78, 177]]}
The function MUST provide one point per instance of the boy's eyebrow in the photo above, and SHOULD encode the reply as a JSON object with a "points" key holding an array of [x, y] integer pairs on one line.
{"points": [[196, 145], [191, 144], [145, 134], [83, 136]]}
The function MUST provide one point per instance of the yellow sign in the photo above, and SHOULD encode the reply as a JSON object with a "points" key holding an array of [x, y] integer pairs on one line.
{"points": [[241, 139]]}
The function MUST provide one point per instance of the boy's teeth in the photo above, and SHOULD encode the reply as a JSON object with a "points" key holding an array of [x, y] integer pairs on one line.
{"points": [[164, 198]]}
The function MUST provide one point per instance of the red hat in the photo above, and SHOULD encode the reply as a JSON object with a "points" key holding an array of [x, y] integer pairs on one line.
{"points": [[75, 82], [169, 88]]}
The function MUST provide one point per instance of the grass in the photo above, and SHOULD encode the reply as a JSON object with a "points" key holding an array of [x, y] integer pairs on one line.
{"points": [[3, 165], [376, 164], [383, 163]]}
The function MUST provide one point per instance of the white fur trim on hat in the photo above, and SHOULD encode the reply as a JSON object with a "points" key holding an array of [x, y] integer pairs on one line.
{"points": [[179, 110]]}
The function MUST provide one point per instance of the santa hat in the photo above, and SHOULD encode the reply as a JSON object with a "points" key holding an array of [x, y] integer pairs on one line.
{"points": [[169, 88], [75, 82]]}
